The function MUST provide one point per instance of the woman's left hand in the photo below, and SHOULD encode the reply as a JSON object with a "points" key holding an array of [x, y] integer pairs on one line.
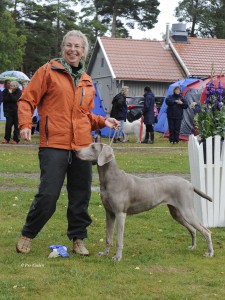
{"points": [[112, 123]]}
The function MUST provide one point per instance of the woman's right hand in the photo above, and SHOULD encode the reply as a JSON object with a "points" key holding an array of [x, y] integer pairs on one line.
{"points": [[25, 134], [112, 123]]}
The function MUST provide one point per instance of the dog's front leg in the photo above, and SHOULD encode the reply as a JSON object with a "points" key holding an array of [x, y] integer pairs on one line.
{"points": [[110, 221], [120, 218]]}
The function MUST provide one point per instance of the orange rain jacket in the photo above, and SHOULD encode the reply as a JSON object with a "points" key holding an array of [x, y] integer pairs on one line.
{"points": [[65, 114]]}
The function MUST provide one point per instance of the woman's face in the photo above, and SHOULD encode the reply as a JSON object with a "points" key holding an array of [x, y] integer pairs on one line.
{"points": [[13, 87], [73, 50], [177, 91], [25, 84]]}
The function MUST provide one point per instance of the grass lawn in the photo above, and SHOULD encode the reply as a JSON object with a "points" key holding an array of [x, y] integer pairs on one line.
{"points": [[156, 263]]}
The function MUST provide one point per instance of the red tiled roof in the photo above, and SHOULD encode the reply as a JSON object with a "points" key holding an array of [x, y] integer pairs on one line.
{"points": [[143, 60], [199, 54]]}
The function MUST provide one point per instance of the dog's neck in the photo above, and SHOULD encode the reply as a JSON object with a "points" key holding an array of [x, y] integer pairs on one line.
{"points": [[105, 171]]}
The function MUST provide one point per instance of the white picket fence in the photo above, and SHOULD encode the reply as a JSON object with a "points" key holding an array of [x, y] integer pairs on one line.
{"points": [[209, 177]]}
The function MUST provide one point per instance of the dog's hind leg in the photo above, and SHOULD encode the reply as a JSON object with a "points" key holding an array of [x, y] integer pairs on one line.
{"points": [[191, 218], [120, 219], [178, 217], [110, 221]]}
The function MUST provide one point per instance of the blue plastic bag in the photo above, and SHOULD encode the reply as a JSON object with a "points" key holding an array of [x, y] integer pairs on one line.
{"points": [[58, 250]]}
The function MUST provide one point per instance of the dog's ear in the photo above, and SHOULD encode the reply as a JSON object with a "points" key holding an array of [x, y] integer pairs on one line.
{"points": [[105, 156]]}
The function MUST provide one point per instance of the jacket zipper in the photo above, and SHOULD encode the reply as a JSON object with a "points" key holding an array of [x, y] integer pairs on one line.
{"points": [[82, 96], [46, 129]]}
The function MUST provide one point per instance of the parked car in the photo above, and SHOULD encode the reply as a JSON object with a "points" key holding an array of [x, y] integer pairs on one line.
{"points": [[136, 104]]}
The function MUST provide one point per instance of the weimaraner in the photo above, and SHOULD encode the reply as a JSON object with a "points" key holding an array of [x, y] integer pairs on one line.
{"points": [[125, 194]]}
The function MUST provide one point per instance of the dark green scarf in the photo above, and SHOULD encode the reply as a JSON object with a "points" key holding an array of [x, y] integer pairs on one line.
{"points": [[75, 76]]}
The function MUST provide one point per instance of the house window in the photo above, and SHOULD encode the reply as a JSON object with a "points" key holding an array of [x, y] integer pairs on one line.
{"points": [[102, 62]]}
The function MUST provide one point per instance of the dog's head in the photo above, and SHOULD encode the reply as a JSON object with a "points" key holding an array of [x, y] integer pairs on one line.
{"points": [[96, 153]]}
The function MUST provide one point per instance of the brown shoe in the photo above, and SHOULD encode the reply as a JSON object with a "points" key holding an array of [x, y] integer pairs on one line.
{"points": [[23, 245], [79, 248]]}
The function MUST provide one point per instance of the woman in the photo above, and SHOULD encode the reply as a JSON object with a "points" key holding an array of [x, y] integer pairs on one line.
{"points": [[176, 103], [11, 95], [149, 115], [24, 86], [64, 95], [119, 111]]}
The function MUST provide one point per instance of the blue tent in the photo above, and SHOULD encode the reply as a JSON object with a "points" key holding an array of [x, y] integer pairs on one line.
{"points": [[162, 125], [99, 110]]}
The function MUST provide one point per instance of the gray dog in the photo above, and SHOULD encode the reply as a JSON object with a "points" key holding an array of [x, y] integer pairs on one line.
{"points": [[124, 194]]}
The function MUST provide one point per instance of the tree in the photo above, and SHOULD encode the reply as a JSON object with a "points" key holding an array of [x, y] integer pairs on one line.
{"points": [[90, 23], [12, 45], [207, 18], [64, 18], [44, 25], [123, 14]]}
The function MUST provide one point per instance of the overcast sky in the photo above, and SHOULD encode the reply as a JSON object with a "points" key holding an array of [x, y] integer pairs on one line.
{"points": [[166, 15]]}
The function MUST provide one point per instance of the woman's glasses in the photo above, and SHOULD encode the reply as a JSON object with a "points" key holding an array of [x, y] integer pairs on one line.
{"points": [[71, 46]]}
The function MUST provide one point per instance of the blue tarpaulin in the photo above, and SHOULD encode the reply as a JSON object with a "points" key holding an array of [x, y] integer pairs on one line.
{"points": [[99, 110]]}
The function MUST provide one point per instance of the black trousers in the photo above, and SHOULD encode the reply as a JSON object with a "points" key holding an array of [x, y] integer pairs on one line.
{"points": [[12, 120], [174, 129], [55, 164], [149, 128]]}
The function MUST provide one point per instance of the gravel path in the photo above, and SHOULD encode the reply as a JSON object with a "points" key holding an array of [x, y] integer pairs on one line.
{"points": [[35, 176]]}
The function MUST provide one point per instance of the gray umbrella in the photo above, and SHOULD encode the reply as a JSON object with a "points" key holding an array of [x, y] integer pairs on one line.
{"points": [[17, 74]]}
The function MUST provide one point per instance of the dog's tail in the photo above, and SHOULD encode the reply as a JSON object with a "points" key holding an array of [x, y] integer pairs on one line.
{"points": [[200, 193]]}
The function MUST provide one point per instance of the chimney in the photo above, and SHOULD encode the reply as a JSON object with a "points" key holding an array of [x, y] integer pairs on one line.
{"points": [[179, 33], [167, 33]]}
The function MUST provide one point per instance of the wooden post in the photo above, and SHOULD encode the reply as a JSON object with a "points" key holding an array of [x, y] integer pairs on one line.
{"points": [[141, 128], [209, 177]]}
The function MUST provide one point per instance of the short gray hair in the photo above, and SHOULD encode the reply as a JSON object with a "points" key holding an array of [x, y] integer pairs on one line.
{"points": [[124, 90], [79, 34], [16, 83]]}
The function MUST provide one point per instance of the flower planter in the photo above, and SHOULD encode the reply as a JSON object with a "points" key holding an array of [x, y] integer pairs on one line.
{"points": [[209, 177]]}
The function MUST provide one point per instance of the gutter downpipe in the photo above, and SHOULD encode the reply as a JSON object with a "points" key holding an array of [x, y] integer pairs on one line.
{"points": [[186, 71]]}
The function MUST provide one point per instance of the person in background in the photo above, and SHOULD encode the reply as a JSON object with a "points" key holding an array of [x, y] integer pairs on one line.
{"points": [[176, 103], [5, 91], [11, 95], [1, 97], [119, 112], [64, 95], [149, 115], [24, 86], [156, 113]]}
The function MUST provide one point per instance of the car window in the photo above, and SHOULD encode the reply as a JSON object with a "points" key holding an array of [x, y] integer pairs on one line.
{"points": [[135, 100]]}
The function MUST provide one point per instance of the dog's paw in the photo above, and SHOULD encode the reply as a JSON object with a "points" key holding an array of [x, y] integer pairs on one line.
{"points": [[116, 258], [192, 247], [209, 254], [104, 253]]}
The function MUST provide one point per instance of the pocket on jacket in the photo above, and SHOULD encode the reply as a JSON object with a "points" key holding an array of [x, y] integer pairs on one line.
{"points": [[83, 136]]}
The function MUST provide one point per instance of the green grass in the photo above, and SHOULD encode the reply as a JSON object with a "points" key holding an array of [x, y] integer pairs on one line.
{"points": [[156, 263]]}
